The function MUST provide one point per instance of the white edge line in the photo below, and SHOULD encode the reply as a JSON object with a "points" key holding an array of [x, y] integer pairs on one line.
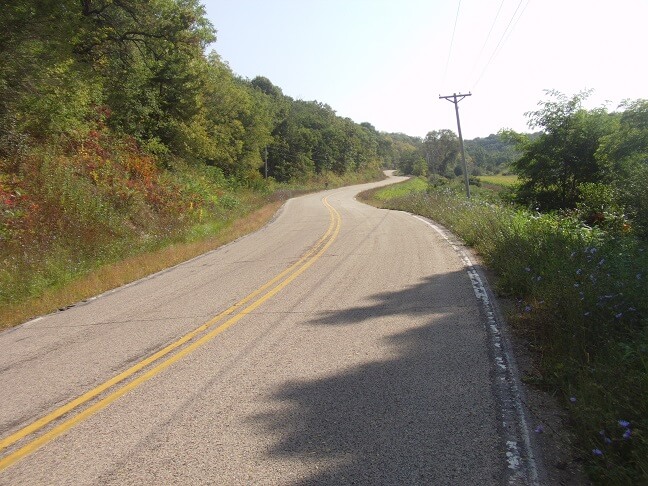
{"points": [[503, 359]]}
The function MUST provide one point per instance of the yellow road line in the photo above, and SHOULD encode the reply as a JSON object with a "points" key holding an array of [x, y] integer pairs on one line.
{"points": [[297, 269], [13, 438]]}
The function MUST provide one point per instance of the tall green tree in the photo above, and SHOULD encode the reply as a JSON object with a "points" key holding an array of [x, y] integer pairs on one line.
{"points": [[562, 157], [441, 151]]}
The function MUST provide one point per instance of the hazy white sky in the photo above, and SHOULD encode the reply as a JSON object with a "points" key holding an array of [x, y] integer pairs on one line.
{"points": [[387, 61]]}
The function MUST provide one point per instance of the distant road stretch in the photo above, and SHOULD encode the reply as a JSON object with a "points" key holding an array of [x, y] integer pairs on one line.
{"points": [[340, 344]]}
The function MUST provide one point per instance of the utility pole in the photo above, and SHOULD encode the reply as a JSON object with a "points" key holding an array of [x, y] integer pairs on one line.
{"points": [[456, 98]]}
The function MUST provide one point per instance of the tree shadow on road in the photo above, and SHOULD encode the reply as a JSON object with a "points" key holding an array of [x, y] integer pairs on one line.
{"points": [[423, 415]]}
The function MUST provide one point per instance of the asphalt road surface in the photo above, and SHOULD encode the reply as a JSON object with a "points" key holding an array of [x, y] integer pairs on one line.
{"points": [[340, 344]]}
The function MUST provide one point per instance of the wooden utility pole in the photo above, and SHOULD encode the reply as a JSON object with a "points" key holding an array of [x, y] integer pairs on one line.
{"points": [[456, 98]]}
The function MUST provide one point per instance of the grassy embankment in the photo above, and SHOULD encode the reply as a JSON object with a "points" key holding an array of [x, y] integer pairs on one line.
{"points": [[91, 217], [581, 303]]}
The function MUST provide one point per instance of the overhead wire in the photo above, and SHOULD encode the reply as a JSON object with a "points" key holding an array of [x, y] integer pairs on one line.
{"points": [[445, 72], [516, 22], [481, 51], [502, 38]]}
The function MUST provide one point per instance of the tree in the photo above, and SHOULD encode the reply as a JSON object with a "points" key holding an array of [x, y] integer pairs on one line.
{"points": [[562, 157], [442, 150]]}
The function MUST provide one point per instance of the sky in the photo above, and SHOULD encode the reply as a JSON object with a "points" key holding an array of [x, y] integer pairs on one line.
{"points": [[386, 62]]}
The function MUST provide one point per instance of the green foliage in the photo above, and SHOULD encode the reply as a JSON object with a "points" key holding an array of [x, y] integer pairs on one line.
{"points": [[492, 154], [563, 156], [581, 301], [626, 150], [442, 151]]}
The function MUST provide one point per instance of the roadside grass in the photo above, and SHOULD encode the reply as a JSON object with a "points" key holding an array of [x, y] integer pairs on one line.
{"points": [[582, 305], [413, 185], [73, 287]]}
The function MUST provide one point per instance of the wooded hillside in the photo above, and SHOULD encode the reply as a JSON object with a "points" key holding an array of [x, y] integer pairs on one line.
{"points": [[118, 134]]}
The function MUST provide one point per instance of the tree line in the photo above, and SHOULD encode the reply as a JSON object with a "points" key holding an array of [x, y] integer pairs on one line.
{"points": [[139, 69], [438, 155]]}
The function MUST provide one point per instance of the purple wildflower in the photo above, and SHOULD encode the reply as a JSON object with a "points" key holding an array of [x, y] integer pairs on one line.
{"points": [[597, 452], [572, 399], [539, 429], [627, 434], [607, 440], [624, 423]]}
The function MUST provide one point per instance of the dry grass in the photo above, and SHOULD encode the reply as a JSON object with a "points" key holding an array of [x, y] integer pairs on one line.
{"points": [[115, 275]]}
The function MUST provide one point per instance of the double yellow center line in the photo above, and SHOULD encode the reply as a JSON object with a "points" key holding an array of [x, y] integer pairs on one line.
{"points": [[154, 363]]}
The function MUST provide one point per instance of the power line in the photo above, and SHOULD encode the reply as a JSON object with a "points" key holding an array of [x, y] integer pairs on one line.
{"points": [[501, 43], [516, 22], [445, 73], [481, 51]]}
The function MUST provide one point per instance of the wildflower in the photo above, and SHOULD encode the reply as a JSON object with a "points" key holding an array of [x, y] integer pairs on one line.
{"points": [[527, 308], [638, 276], [572, 399], [607, 440], [624, 423], [601, 262], [597, 452], [527, 269], [627, 434], [576, 285], [586, 314], [538, 278], [619, 315], [539, 429]]}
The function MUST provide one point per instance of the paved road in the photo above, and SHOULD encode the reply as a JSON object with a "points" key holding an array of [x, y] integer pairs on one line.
{"points": [[365, 361]]}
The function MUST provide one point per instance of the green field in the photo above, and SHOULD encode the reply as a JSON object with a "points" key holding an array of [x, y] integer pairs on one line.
{"points": [[500, 180]]}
